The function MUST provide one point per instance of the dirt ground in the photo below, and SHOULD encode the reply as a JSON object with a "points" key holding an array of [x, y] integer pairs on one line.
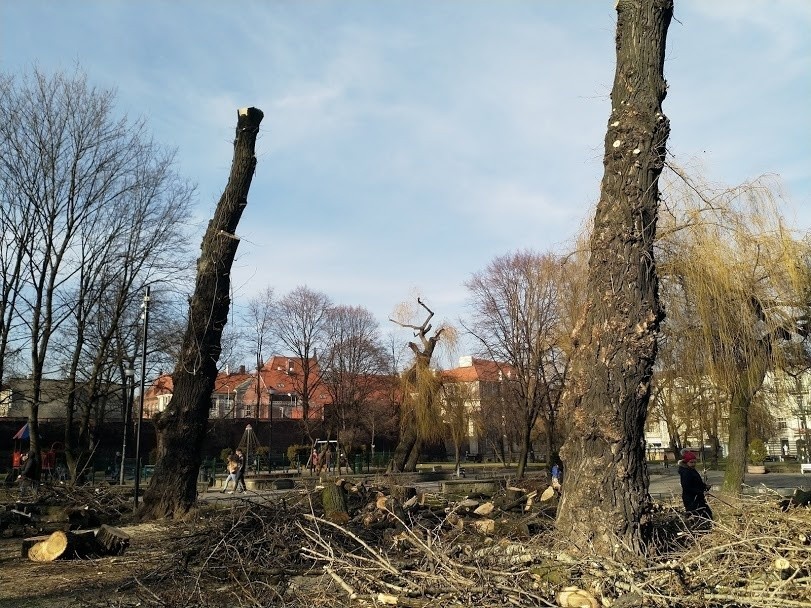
{"points": [[87, 582], [77, 582]]}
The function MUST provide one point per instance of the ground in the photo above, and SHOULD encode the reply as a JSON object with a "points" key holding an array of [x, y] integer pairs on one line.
{"points": [[275, 549]]}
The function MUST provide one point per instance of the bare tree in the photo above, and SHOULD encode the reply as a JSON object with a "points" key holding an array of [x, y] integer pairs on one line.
{"points": [[354, 364], [181, 428], [258, 320], [517, 322], [605, 490], [300, 325], [69, 174]]}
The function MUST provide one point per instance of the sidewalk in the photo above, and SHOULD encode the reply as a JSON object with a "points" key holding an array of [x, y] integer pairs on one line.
{"points": [[664, 483]]}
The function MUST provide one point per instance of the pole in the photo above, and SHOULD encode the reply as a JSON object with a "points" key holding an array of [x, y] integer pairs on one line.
{"points": [[145, 306], [128, 374]]}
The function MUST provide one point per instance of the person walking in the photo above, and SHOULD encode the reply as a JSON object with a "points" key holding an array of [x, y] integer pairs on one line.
{"points": [[231, 467], [241, 487], [693, 487]]}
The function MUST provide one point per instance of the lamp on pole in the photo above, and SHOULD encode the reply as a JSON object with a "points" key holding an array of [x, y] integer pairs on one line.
{"points": [[145, 306], [129, 375]]}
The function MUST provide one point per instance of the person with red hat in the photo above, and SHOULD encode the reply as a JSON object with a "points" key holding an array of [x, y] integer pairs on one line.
{"points": [[693, 487]]}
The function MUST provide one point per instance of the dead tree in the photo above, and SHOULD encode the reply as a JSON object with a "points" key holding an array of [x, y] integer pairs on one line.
{"points": [[605, 487], [182, 427], [417, 395]]}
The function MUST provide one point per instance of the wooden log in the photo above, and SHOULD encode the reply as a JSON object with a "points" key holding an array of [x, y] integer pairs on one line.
{"points": [[333, 499], [30, 542], [112, 540], [403, 493], [435, 502], [50, 549], [513, 494]]}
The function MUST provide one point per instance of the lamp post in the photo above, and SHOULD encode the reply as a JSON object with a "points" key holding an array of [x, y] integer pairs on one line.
{"points": [[129, 375], [145, 306]]}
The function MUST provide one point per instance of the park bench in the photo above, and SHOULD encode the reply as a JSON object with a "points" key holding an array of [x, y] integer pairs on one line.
{"points": [[805, 466]]}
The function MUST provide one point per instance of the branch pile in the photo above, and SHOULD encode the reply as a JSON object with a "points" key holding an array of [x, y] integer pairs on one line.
{"points": [[287, 554]]}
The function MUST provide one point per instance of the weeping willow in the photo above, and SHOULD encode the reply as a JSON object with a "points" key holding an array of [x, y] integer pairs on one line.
{"points": [[733, 283]]}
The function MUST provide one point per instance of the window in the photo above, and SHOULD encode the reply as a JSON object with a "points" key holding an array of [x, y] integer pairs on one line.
{"points": [[782, 423], [163, 401]]}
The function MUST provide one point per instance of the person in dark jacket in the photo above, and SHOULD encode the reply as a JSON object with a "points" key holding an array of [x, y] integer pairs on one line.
{"points": [[693, 487], [29, 474], [240, 485]]}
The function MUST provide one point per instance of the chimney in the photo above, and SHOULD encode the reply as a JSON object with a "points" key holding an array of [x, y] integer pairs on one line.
{"points": [[241, 369]]}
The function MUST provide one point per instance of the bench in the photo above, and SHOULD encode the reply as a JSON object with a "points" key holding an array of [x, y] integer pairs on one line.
{"points": [[806, 466]]}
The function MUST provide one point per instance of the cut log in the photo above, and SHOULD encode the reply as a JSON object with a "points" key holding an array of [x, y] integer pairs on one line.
{"points": [[112, 540], [403, 493], [333, 499], [435, 502], [30, 542], [512, 494], [53, 547], [485, 510]]}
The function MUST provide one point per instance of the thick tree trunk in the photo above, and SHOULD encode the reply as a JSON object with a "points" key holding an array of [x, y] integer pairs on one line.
{"points": [[182, 427], [748, 383], [606, 485]]}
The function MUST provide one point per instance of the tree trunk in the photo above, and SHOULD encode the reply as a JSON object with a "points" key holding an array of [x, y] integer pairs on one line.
{"points": [[182, 427], [606, 485], [333, 499], [748, 382]]}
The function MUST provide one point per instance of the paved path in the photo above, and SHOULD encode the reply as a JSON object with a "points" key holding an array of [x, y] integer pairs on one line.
{"points": [[665, 482]]}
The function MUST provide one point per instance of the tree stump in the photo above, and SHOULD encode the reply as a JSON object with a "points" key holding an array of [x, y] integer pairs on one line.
{"points": [[333, 499], [403, 493], [113, 540]]}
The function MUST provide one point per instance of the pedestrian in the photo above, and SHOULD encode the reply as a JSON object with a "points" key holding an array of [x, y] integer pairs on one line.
{"points": [[556, 476], [693, 487], [313, 461], [231, 466], [328, 458], [29, 474], [241, 487]]}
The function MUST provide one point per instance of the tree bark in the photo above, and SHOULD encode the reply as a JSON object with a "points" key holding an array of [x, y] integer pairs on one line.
{"points": [[606, 485], [333, 499], [182, 427]]}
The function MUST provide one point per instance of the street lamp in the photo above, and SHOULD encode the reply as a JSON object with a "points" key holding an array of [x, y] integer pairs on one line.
{"points": [[129, 375], [145, 306]]}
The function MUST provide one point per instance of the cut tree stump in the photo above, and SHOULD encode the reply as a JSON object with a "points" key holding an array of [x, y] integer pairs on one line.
{"points": [[403, 493], [112, 540], [333, 499]]}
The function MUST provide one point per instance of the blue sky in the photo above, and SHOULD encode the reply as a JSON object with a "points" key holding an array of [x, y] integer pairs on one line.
{"points": [[406, 144]]}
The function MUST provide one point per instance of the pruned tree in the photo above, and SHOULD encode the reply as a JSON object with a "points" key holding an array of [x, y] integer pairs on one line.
{"points": [[181, 428], [518, 323], [420, 416], [605, 489]]}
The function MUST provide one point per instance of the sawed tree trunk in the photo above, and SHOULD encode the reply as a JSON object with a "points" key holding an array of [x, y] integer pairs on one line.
{"points": [[182, 427], [605, 488]]}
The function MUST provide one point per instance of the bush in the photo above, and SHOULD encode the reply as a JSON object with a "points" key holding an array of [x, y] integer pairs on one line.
{"points": [[757, 452]]}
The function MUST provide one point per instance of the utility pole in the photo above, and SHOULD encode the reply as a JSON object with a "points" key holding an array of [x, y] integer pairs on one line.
{"points": [[145, 306]]}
